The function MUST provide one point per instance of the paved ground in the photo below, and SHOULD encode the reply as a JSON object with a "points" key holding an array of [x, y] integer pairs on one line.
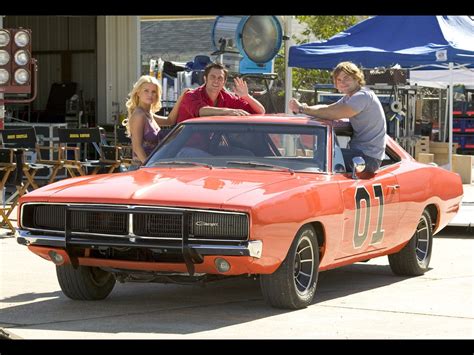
{"points": [[360, 301]]}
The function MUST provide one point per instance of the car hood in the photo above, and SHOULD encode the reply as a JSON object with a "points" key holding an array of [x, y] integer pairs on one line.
{"points": [[195, 187]]}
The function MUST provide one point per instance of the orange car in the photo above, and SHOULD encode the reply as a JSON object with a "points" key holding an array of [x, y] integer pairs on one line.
{"points": [[260, 195]]}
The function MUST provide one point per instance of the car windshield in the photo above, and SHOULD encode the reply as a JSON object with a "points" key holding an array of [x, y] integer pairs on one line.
{"points": [[252, 146]]}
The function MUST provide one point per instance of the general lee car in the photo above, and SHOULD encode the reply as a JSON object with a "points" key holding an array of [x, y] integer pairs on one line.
{"points": [[261, 195]]}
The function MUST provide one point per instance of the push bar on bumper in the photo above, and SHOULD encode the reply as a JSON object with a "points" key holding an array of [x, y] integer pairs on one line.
{"points": [[251, 248]]}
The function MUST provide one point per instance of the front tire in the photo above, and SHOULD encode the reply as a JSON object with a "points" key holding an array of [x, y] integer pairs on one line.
{"points": [[293, 284], [85, 283], [414, 258]]}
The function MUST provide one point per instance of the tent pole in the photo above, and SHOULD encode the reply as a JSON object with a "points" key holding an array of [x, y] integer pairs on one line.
{"points": [[440, 123], [288, 71], [450, 151]]}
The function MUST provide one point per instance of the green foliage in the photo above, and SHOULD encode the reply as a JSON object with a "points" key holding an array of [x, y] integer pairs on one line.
{"points": [[324, 27], [321, 27]]}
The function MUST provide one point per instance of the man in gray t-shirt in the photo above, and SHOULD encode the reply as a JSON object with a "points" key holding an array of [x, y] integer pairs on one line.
{"points": [[369, 123], [364, 110]]}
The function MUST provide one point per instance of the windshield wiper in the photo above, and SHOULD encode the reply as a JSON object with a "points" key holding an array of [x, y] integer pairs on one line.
{"points": [[256, 164], [181, 162]]}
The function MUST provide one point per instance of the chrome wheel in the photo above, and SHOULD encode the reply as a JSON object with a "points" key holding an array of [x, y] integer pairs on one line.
{"points": [[304, 265], [422, 241]]}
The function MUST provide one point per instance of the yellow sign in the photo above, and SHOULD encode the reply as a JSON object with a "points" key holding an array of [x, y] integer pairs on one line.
{"points": [[17, 136], [79, 135]]}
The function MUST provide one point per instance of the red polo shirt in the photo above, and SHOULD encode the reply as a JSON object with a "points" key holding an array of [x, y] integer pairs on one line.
{"points": [[195, 99]]}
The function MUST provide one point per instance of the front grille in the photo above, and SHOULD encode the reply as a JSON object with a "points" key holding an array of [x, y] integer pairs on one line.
{"points": [[53, 217], [99, 222], [219, 226], [47, 217], [168, 226], [163, 224]]}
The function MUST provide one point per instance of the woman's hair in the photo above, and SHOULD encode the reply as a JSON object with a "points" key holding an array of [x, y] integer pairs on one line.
{"points": [[350, 69], [133, 99]]}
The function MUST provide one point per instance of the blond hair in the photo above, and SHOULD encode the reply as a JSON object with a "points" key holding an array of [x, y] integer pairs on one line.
{"points": [[350, 69], [133, 100]]}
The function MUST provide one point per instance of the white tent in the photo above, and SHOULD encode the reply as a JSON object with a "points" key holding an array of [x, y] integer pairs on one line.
{"points": [[440, 79], [444, 79]]}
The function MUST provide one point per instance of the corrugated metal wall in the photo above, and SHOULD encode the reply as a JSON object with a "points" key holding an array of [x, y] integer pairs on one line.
{"points": [[52, 37], [104, 50], [118, 53]]}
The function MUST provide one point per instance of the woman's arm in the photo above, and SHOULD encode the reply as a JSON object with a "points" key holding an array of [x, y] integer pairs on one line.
{"points": [[137, 124]]}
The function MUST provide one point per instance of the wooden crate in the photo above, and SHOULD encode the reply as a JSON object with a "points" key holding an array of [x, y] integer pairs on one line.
{"points": [[422, 145], [463, 165], [442, 147], [425, 158], [441, 158]]}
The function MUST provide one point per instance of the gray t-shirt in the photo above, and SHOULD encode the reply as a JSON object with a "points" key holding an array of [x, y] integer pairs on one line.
{"points": [[369, 124]]}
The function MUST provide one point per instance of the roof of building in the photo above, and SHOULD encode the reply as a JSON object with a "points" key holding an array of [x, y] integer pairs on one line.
{"points": [[176, 40]]}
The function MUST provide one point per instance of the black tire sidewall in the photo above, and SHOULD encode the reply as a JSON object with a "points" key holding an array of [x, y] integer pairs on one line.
{"points": [[405, 262]]}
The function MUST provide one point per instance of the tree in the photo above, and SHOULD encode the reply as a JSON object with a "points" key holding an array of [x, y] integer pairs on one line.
{"points": [[321, 27]]}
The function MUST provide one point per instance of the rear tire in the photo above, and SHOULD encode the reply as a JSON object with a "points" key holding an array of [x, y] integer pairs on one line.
{"points": [[293, 284], [414, 258], [85, 283]]}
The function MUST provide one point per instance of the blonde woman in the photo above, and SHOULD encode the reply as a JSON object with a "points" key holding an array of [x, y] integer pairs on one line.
{"points": [[143, 125]]}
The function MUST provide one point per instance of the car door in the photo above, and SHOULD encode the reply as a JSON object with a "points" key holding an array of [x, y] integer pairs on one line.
{"points": [[371, 213]]}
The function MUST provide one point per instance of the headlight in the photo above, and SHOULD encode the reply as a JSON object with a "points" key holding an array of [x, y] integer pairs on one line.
{"points": [[4, 57], [4, 38], [22, 76], [22, 38], [4, 76], [22, 57]]}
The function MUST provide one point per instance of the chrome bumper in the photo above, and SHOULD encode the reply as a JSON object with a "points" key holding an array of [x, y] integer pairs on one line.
{"points": [[251, 248]]}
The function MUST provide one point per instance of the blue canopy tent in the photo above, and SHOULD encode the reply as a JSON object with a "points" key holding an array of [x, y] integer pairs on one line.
{"points": [[412, 42]]}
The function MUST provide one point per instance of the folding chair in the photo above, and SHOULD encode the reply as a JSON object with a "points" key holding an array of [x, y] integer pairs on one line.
{"points": [[109, 156], [110, 159], [7, 166], [125, 143], [25, 140], [77, 136]]}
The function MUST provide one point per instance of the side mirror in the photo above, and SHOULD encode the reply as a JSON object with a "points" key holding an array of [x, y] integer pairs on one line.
{"points": [[359, 166]]}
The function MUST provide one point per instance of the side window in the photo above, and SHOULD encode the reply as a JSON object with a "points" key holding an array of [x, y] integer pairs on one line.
{"points": [[338, 159], [389, 157], [343, 141]]}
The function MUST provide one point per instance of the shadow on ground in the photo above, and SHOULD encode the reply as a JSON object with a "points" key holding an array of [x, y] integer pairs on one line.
{"points": [[176, 309]]}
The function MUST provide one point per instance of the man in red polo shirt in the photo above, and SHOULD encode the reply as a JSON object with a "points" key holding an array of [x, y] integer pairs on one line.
{"points": [[211, 99]]}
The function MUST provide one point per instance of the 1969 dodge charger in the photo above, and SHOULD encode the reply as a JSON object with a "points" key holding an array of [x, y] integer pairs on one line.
{"points": [[267, 196]]}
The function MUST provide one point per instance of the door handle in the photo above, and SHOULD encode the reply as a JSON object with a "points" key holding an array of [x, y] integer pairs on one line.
{"points": [[394, 187]]}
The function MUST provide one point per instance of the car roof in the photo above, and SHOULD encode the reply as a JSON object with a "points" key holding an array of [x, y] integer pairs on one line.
{"points": [[270, 118], [342, 125]]}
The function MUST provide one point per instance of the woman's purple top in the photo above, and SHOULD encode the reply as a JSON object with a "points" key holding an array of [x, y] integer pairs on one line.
{"points": [[150, 135]]}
